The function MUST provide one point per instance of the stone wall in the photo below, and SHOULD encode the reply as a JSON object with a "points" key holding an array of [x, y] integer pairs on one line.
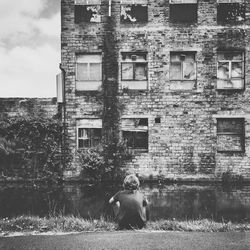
{"points": [[13, 107], [184, 143]]}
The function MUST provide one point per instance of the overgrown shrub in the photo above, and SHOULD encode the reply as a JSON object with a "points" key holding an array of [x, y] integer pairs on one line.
{"points": [[33, 147], [229, 177], [92, 163], [105, 162]]}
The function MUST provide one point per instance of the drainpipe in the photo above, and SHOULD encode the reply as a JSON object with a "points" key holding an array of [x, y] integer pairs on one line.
{"points": [[63, 103], [110, 3], [63, 115]]}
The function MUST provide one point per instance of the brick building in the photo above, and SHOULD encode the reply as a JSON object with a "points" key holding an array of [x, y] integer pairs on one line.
{"points": [[179, 71], [17, 107]]}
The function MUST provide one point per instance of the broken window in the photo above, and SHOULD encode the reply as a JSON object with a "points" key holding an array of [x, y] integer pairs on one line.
{"points": [[89, 132], [88, 71], [134, 66], [182, 66], [230, 11], [134, 11], [135, 133], [87, 11], [134, 70], [183, 11], [230, 70], [230, 135]]}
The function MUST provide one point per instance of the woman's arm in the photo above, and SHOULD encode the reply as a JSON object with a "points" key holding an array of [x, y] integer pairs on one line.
{"points": [[111, 200]]}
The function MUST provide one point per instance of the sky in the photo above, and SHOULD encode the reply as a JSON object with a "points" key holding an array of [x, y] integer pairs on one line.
{"points": [[29, 47]]}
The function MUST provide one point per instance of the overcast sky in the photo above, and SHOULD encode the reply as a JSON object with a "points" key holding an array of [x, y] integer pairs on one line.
{"points": [[29, 47]]}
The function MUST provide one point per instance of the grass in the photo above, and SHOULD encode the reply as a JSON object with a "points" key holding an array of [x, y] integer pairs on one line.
{"points": [[54, 224], [203, 225], [27, 224]]}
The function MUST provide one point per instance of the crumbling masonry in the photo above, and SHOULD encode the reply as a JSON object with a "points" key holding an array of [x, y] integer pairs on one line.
{"points": [[180, 71]]}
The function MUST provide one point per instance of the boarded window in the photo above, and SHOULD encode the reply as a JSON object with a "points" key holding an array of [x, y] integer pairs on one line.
{"points": [[87, 11], [135, 133], [134, 13], [183, 11], [230, 12], [230, 135], [89, 132], [88, 71], [134, 66], [230, 70], [182, 66]]}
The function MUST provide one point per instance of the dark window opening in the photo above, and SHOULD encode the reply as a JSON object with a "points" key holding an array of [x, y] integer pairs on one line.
{"points": [[136, 140], [230, 12], [87, 13], [89, 137], [230, 135], [135, 13], [157, 120], [183, 13], [142, 122]]}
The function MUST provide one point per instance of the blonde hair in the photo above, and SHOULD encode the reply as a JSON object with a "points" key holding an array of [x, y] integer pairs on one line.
{"points": [[131, 182]]}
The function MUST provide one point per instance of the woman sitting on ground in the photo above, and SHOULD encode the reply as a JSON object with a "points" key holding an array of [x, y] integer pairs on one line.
{"points": [[130, 205]]}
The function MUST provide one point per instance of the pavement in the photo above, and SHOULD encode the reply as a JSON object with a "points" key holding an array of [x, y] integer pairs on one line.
{"points": [[130, 240]]}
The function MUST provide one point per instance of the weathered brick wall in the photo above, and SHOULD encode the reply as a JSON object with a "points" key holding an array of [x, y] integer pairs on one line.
{"points": [[13, 107], [184, 143]]}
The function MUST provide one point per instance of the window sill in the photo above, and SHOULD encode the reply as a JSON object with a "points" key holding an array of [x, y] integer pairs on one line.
{"points": [[88, 85], [183, 23], [182, 85], [231, 90], [134, 85], [86, 148], [133, 24], [231, 84], [138, 151], [87, 22], [231, 23]]}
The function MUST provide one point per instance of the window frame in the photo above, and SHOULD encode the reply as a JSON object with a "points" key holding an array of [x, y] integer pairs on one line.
{"points": [[90, 137], [183, 3], [133, 83], [228, 2], [182, 71], [134, 70], [230, 78], [131, 3], [134, 131], [241, 135], [83, 85], [133, 135], [86, 4]]}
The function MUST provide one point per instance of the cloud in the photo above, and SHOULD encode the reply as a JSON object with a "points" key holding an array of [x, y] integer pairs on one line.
{"points": [[28, 72], [29, 47], [49, 27], [17, 19], [24, 20]]}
